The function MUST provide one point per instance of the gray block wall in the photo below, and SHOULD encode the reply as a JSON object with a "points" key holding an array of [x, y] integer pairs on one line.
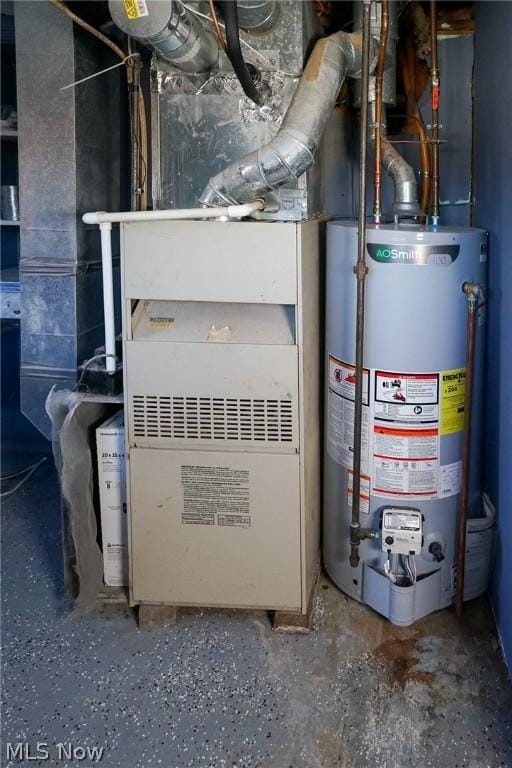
{"points": [[70, 143]]}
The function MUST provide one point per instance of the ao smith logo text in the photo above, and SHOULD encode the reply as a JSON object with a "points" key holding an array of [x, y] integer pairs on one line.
{"points": [[419, 253]]}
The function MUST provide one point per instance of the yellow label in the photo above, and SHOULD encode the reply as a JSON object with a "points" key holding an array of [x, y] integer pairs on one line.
{"points": [[161, 322], [135, 8], [453, 385]]}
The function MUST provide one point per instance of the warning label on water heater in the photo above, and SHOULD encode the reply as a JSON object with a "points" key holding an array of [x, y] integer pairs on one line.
{"points": [[364, 495], [342, 379], [405, 461], [340, 414], [408, 398]]}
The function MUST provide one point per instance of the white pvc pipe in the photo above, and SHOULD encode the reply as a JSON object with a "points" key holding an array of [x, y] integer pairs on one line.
{"points": [[108, 296], [105, 221], [230, 211]]}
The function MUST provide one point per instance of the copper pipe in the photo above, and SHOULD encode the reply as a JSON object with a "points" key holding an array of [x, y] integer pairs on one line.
{"points": [[216, 24], [143, 166], [434, 75], [414, 113], [472, 292], [379, 76]]}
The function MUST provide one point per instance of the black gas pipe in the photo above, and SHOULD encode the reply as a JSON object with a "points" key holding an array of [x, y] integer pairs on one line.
{"points": [[234, 51]]}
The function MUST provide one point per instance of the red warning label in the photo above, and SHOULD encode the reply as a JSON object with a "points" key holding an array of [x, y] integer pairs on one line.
{"points": [[342, 379]]}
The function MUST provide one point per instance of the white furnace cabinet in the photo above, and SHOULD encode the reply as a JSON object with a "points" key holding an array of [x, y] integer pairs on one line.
{"points": [[221, 327]]}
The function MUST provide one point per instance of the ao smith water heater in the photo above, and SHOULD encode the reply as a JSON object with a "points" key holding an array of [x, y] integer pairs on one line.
{"points": [[413, 412], [404, 374]]}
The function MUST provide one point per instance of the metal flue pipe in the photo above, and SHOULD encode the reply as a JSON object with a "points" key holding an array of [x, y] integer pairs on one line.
{"points": [[361, 270], [385, 154], [403, 176]]}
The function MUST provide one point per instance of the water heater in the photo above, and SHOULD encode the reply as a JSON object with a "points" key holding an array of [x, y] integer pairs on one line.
{"points": [[413, 412]]}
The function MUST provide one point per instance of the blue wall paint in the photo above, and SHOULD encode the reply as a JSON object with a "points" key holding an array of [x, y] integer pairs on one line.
{"points": [[493, 190]]}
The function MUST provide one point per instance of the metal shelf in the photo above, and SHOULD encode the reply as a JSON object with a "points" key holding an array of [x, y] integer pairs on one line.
{"points": [[5, 223]]}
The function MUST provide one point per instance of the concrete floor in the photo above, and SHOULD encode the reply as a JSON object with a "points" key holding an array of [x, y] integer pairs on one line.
{"points": [[220, 689]]}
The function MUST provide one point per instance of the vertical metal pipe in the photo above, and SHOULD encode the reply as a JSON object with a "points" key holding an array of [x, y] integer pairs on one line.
{"points": [[379, 76], [135, 133], [361, 271], [472, 292], [435, 84]]}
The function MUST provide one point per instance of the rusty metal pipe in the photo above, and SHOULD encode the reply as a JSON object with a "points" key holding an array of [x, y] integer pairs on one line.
{"points": [[379, 76], [134, 92], [472, 292], [361, 271], [435, 84]]}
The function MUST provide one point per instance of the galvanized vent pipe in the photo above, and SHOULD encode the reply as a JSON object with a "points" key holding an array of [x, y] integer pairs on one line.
{"points": [[383, 27], [402, 174], [292, 151], [170, 30]]}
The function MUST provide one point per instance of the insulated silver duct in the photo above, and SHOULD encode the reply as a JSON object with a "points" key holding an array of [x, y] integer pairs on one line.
{"points": [[170, 30], [402, 174], [291, 152]]}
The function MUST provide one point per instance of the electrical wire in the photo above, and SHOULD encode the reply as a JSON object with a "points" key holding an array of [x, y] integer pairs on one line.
{"points": [[101, 72], [410, 568], [86, 364], [20, 472], [28, 472], [388, 568]]}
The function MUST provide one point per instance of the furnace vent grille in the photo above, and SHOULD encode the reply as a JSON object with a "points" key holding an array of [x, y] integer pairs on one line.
{"points": [[212, 418]]}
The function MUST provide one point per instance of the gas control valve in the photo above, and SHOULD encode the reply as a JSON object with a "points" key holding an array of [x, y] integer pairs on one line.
{"points": [[402, 531]]}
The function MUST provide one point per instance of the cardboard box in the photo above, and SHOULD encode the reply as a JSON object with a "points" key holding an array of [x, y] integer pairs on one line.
{"points": [[112, 485]]}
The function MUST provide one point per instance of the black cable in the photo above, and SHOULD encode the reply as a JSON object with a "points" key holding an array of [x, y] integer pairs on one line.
{"points": [[234, 51]]}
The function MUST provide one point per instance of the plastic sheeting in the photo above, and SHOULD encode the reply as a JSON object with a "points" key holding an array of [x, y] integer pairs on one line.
{"points": [[74, 417]]}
